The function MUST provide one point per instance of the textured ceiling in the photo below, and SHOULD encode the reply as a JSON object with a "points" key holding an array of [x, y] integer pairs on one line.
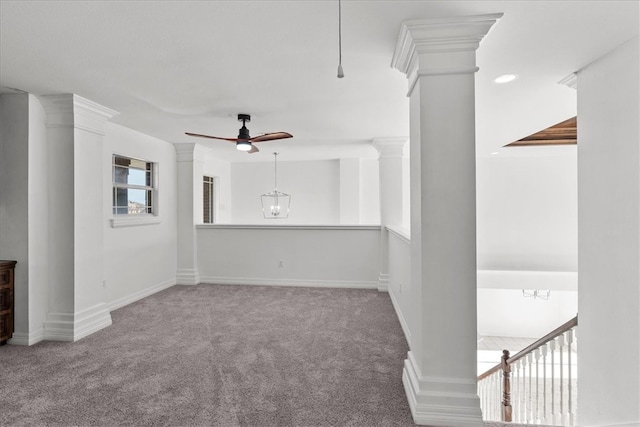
{"points": [[175, 66]]}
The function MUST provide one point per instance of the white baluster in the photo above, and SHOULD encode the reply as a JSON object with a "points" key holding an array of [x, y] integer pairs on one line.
{"points": [[498, 395], [552, 348], [514, 391], [521, 412], [561, 419], [545, 349], [536, 415], [569, 336], [572, 418], [529, 407]]}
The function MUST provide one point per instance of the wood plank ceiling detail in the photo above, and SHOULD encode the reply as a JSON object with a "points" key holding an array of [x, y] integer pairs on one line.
{"points": [[563, 133]]}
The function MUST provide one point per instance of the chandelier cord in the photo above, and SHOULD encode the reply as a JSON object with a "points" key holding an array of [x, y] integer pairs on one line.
{"points": [[339, 32], [275, 165]]}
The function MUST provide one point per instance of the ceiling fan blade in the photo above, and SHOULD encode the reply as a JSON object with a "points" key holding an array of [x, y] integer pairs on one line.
{"points": [[254, 149], [211, 137], [271, 136]]}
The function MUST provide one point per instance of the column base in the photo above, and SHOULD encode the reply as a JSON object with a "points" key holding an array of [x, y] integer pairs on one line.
{"points": [[74, 326], [440, 401], [383, 282], [187, 276]]}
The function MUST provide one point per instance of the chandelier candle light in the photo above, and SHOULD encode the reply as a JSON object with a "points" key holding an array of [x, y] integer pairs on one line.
{"points": [[275, 204]]}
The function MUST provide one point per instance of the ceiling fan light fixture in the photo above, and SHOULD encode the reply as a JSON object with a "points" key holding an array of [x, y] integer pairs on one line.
{"points": [[243, 146]]}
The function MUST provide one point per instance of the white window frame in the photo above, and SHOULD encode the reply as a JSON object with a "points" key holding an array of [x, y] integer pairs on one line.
{"points": [[133, 218], [209, 182]]}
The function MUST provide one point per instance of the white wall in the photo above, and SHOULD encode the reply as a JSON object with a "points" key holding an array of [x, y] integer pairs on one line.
{"points": [[336, 256], [314, 187], [341, 191], [140, 259], [369, 182], [38, 217], [14, 202], [527, 210], [400, 289], [609, 231], [350, 191], [221, 171], [507, 313]]}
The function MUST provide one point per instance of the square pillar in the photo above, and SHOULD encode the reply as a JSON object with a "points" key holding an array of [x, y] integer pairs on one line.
{"points": [[438, 57], [390, 171]]}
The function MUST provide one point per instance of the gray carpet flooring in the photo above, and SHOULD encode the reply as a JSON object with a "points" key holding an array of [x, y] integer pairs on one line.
{"points": [[212, 355]]}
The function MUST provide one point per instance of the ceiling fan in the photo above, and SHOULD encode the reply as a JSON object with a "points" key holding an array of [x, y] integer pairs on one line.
{"points": [[244, 141]]}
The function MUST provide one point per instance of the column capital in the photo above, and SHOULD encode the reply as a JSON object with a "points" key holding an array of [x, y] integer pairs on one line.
{"points": [[440, 46], [188, 151], [71, 110], [390, 146]]}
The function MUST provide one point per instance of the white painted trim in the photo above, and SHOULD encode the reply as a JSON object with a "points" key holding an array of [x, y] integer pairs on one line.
{"points": [[383, 282], [74, 326], [59, 327], [631, 424], [304, 283], [134, 220], [187, 276], [389, 147], [403, 322], [91, 320], [27, 338], [524, 279], [286, 227], [440, 401], [131, 298], [570, 81], [400, 233]]}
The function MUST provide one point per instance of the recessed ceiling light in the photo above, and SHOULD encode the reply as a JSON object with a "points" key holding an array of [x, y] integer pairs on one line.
{"points": [[505, 78]]}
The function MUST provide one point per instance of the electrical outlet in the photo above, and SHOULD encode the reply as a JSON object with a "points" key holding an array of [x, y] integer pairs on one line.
{"points": [[280, 264], [400, 287], [104, 283]]}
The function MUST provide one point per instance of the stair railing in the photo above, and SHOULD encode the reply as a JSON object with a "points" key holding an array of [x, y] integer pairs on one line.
{"points": [[535, 386]]}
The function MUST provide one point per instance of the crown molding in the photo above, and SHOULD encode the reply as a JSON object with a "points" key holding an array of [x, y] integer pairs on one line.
{"points": [[70, 110], [570, 81], [457, 38]]}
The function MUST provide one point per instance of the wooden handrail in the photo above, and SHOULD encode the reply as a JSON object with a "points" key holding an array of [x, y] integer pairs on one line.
{"points": [[538, 343], [505, 365]]}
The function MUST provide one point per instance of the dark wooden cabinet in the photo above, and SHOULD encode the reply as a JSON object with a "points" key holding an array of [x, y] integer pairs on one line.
{"points": [[7, 269]]}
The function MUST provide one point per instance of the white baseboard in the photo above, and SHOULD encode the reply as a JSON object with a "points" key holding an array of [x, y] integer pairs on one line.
{"points": [[401, 318], [631, 424], [440, 401], [128, 299], [27, 338], [74, 326], [91, 320], [187, 276], [214, 280]]}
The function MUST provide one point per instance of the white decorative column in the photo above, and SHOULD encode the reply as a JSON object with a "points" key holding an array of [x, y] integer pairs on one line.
{"points": [[190, 171], [75, 130], [438, 57], [390, 170]]}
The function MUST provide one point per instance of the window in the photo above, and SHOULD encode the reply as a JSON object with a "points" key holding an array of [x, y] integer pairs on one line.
{"points": [[208, 200], [133, 186]]}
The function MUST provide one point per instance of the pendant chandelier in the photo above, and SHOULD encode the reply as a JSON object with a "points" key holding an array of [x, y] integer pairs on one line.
{"points": [[275, 204]]}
